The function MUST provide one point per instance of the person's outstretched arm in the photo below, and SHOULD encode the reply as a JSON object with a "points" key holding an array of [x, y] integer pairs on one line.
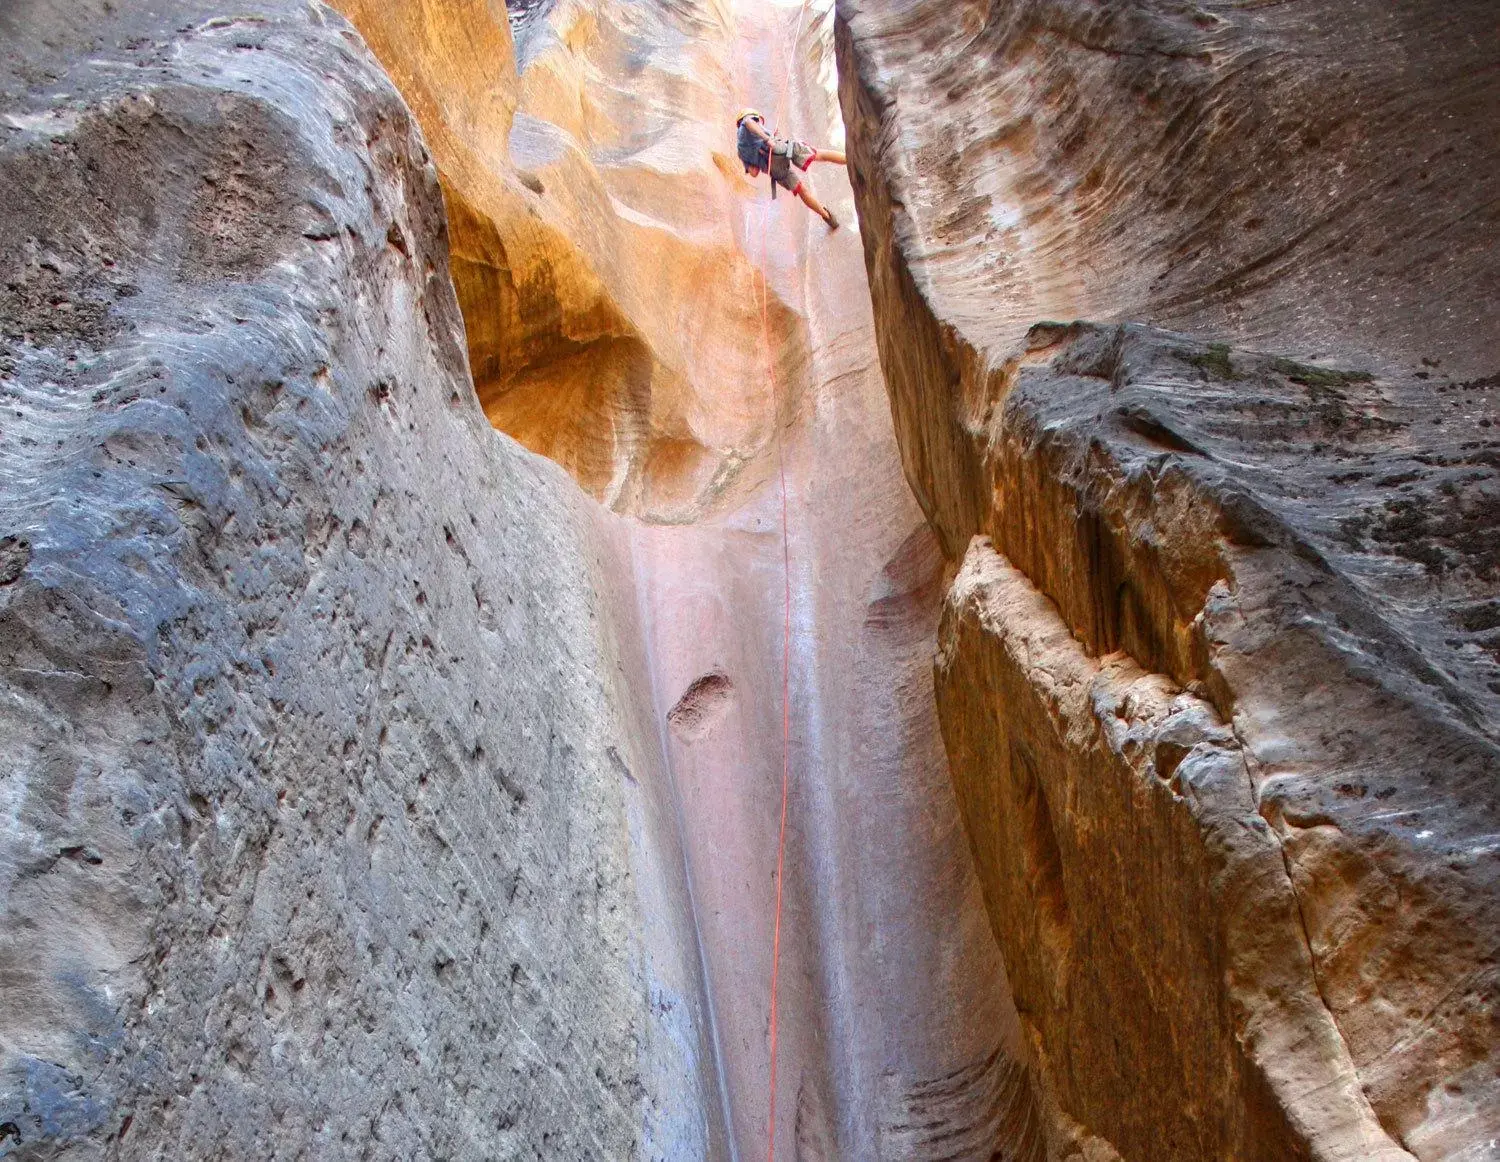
{"points": [[758, 129]]}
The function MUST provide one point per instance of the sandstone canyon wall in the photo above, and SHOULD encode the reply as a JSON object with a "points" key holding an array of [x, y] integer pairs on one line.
{"points": [[1218, 675], [376, 792], [332, 821], [607, 300], [897, 1037], [378, 788]]}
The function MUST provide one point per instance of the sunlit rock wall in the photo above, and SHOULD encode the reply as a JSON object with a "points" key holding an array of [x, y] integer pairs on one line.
{"points": [[331, 823], [1219, 684], [897, 1038], [592, 210]]}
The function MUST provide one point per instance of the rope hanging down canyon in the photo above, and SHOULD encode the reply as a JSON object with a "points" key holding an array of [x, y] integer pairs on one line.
{"points": [[786, 638]]}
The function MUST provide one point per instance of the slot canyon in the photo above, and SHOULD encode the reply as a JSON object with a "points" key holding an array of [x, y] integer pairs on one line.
{"points": [[516, 643]]}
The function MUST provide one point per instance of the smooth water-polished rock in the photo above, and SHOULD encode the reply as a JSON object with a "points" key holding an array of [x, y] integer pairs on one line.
{"points": [[330, 805]]}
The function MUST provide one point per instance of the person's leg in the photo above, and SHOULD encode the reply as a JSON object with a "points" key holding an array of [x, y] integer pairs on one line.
{"points": [[817, 207], [803, 155], [781, 173]]}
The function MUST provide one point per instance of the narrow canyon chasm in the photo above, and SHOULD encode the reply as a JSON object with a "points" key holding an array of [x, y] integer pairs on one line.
{"points": [[435, 480]]}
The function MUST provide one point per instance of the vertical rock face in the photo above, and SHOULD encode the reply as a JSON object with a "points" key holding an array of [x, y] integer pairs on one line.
{"points": [[1217, 675], [1304, 176], [332, 822], [373, 792], [620, 247]]}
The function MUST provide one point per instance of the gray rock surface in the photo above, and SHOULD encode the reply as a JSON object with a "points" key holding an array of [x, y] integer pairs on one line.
{"points": [[1315, 176], [1281, 550], [1270, 495], [331, 820]]}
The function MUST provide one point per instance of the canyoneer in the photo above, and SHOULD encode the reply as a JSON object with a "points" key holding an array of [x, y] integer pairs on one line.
{"points": [[786, 160]]}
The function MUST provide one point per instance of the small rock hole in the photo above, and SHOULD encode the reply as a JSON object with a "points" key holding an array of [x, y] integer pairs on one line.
{"points": [[701, 706]]}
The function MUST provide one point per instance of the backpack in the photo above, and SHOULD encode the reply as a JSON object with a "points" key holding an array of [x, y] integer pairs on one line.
{"points": [[755, 152]]}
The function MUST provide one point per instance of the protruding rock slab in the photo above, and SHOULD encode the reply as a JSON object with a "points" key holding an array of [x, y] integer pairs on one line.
{"points": [[1151, 928], [1229, 529]]}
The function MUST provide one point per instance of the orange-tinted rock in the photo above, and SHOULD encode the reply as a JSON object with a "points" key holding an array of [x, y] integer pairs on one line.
{"points": [[595, 250], [615, 324], [1304, 543]]}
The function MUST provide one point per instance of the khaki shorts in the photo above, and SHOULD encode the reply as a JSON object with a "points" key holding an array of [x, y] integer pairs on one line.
{"points": [[801, 156]]}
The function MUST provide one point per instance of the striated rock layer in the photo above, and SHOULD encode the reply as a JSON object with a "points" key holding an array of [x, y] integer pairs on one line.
{"points": [[334, 815], [1217, 674]]}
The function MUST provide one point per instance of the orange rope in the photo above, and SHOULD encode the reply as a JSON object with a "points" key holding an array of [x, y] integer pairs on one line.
{"points": [[786, 636]]}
